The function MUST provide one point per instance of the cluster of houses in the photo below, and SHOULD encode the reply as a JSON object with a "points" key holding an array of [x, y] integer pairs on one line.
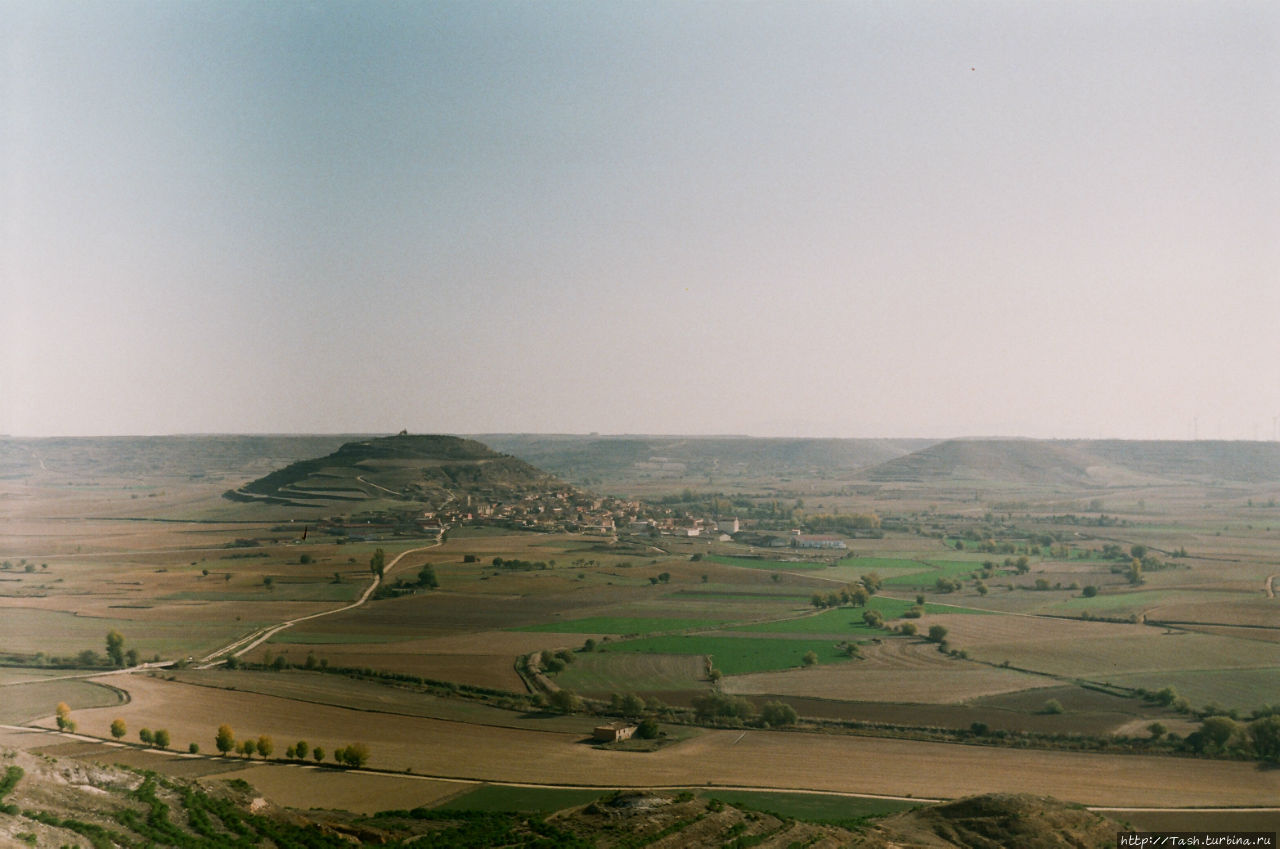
{"points": [[569, 510]]}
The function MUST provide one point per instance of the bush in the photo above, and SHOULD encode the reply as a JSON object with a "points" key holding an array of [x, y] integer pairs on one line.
{"points": [[776, 714], [1053, 706]]}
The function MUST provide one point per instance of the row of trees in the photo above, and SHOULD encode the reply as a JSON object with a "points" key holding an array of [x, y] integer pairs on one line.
{"points": [[352, 755]]}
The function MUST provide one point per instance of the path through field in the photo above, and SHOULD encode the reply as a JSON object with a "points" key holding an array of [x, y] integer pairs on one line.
{"points": [[257, 638]]}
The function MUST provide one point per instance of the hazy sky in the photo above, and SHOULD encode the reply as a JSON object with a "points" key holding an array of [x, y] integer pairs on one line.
{"points": [[775, 218]]}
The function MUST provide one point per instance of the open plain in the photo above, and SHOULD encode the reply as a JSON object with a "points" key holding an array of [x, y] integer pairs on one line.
{"points": [[944, 648]]}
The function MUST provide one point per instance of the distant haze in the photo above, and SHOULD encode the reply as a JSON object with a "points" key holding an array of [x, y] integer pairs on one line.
{"points": [[844, 219]]}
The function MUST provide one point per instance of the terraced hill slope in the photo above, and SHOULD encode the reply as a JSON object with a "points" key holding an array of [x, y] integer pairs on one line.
{"points": [[429, 469]]}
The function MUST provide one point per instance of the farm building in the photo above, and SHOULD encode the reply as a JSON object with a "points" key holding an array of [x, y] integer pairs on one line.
{"points": [[614, 731], [807, 541]]}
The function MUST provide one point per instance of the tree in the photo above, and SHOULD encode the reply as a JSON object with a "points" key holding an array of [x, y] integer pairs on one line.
{"points": [[146, 736], [715, 705], [648, 729], [565, 701], [115, 647], [1265, 734], [818, 601], [937, 633], [1022, 565], [871, 581], [226, 739], [1089, 591], [118, 728], [778, 713], [1135, 572], [248, 747], [873, 618], [266, 746], [589, 645], [269, 582], [193, 748], [908, 629], [810, 658], [317, 754], [356, 755], [1052, 706], [859, 596], [131, 657], [378, 563], [427, 577], [300, 748], [162, 738], [63, 712], [1219, 730], [1157, 730], [631, 705]]}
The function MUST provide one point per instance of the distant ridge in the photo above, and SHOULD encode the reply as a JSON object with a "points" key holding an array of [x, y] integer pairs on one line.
{"points": [[580, 457], [426, 468], [1098, 463]]}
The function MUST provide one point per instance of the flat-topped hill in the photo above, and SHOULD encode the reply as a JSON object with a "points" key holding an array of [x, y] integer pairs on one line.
{"points": [[622, 460], [1095, 463], [425, 468]]}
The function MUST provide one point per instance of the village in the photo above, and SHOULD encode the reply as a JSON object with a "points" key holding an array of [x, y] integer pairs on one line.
{"points": [[568, 510]]}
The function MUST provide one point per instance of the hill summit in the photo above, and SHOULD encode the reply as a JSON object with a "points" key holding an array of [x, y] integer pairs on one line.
{"points": [[429, 469], [1084, 462]]}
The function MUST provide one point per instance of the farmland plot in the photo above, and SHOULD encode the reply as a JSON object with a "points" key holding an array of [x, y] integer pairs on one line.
{"points": [[619, 672], [897, 670], [1098, 650], [817, 762]]}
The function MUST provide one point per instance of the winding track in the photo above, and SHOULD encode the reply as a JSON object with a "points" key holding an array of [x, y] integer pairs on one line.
{"points": [[257, 638]]}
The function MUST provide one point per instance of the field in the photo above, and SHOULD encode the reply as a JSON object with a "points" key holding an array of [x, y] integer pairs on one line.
{"points": [[622, 625], [737, 655], [618, 672], [809, 806], [816, 762], [180, 573]]}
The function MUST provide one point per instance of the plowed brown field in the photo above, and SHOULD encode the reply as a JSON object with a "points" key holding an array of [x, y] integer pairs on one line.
{"points": [[751, 758]]}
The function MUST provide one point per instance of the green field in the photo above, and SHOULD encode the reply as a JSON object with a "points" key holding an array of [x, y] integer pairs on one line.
{"points": [[1242, 689], [811, 807], [930, 571], [498, 797], [754, 563], [737, 655], [623, 672], [848, 620], [621, 625]]}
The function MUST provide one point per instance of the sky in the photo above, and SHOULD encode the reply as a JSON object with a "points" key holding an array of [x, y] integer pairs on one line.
{"points": [[836, 219]]}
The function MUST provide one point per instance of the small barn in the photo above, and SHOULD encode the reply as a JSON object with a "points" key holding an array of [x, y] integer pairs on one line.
{"points": [[614, 731]]}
